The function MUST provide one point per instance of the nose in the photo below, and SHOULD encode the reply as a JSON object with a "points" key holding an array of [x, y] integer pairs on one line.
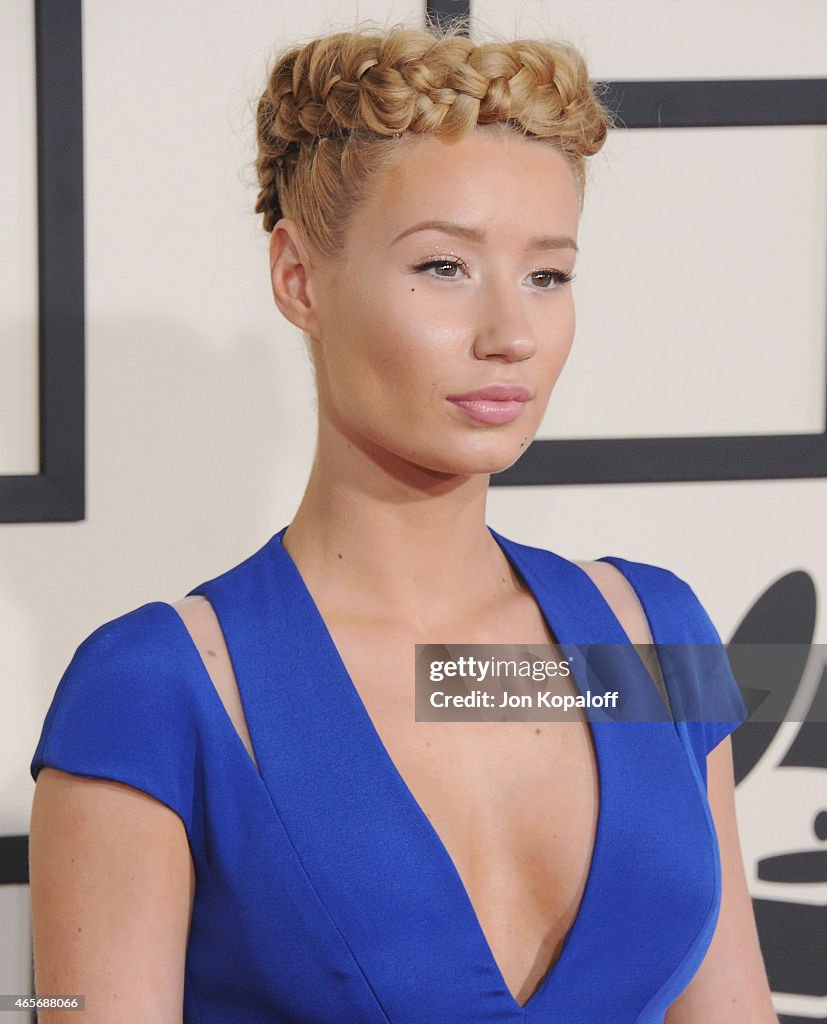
{"points": [[503, 329]]}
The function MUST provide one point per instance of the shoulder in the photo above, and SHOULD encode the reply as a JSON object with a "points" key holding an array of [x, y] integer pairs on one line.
{"points": [[151, 632], [137, 634], [198, 616], [653, 597], [621, 597], [202, 623], [138, 663], [127, 709]]}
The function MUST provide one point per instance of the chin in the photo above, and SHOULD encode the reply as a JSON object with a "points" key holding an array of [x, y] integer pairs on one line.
{"points": [[466, 460]]}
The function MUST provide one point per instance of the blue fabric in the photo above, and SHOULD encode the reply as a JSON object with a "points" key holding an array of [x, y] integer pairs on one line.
{"points": [[323, 893]]}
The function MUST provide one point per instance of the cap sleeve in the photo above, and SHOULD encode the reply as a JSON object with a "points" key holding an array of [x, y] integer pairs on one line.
{"points": [[122, 711], [703, 691], [713, 705]]}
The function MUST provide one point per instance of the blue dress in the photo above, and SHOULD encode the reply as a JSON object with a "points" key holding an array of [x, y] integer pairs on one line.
{"points": [[323, 893]]}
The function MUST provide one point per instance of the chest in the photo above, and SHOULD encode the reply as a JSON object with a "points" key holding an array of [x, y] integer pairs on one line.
{"points": [[395, 870], [515, 803]]}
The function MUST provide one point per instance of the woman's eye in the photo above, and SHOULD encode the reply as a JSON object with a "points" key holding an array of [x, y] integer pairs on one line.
{"points": [[441, 264], [555, 278]]}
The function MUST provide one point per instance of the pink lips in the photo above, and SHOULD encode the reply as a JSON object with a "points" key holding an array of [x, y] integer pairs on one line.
{"points": [[497, 403]]}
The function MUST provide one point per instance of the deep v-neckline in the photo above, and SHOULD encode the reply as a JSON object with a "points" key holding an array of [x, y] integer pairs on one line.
{"points": [[448, 868]]}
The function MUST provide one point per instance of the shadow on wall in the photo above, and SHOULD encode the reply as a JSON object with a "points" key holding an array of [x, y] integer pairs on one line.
{"points": [[196, 450]]}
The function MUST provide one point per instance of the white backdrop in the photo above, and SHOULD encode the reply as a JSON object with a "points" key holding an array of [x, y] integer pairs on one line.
{"points": [[701, 309]]}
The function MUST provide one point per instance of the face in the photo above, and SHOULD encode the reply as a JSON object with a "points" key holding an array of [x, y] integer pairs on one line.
{"points": [[415, 318]]}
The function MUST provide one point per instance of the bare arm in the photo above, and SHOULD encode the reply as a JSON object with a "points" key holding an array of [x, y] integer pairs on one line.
{"points": [[112, 884], [731, 984]]}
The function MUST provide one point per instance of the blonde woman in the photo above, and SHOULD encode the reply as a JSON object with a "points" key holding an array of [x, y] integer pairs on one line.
{"points": [[237, 816]]}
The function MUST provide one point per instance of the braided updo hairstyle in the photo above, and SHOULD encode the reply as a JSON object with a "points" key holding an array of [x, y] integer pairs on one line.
{"points": [[335, 109]]}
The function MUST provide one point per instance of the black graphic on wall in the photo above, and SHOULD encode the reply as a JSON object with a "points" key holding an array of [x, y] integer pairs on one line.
{"points": [[792, 930], [446, 13], [671, 105], [56, 493]]}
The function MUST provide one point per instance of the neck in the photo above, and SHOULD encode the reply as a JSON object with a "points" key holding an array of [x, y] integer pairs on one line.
{"points": [[382, 539]]}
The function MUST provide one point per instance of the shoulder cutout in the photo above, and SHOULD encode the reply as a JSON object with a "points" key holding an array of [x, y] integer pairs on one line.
{"points": [[202, 623], [620, 596]]}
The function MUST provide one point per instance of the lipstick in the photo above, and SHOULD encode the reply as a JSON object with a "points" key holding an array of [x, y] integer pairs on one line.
{"points": [[496, 403]]}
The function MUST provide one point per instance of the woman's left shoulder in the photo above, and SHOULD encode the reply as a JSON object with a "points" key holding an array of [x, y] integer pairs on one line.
{"points": [[621, 597], [652, 597]]}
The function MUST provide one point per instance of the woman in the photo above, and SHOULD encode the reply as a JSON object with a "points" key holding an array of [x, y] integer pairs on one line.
{"points": [[237, 816]]}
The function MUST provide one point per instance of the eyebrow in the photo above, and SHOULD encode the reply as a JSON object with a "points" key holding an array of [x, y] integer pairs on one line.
{"points": [[476, 235]]}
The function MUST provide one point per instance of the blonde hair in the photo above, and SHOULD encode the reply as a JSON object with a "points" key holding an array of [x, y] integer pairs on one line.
{"points": [[335, 109]]}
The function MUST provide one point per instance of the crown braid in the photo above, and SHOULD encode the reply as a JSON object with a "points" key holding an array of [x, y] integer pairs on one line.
{"points": [[335, 108]]}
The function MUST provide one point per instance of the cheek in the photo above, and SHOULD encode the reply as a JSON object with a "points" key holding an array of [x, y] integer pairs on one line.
{"points": [[379, 364], [559, 341], [406, 349], [567, 326], [557, 321]]}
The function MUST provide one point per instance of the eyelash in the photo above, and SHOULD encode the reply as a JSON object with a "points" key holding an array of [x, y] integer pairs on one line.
{"points": [[560, 276]]}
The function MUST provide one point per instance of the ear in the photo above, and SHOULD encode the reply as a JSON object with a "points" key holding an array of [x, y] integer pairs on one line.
{"points": [[291, 276]]}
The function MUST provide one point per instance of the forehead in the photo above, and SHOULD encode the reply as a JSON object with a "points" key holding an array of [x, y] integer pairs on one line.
{"points": [[485, 178]]}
